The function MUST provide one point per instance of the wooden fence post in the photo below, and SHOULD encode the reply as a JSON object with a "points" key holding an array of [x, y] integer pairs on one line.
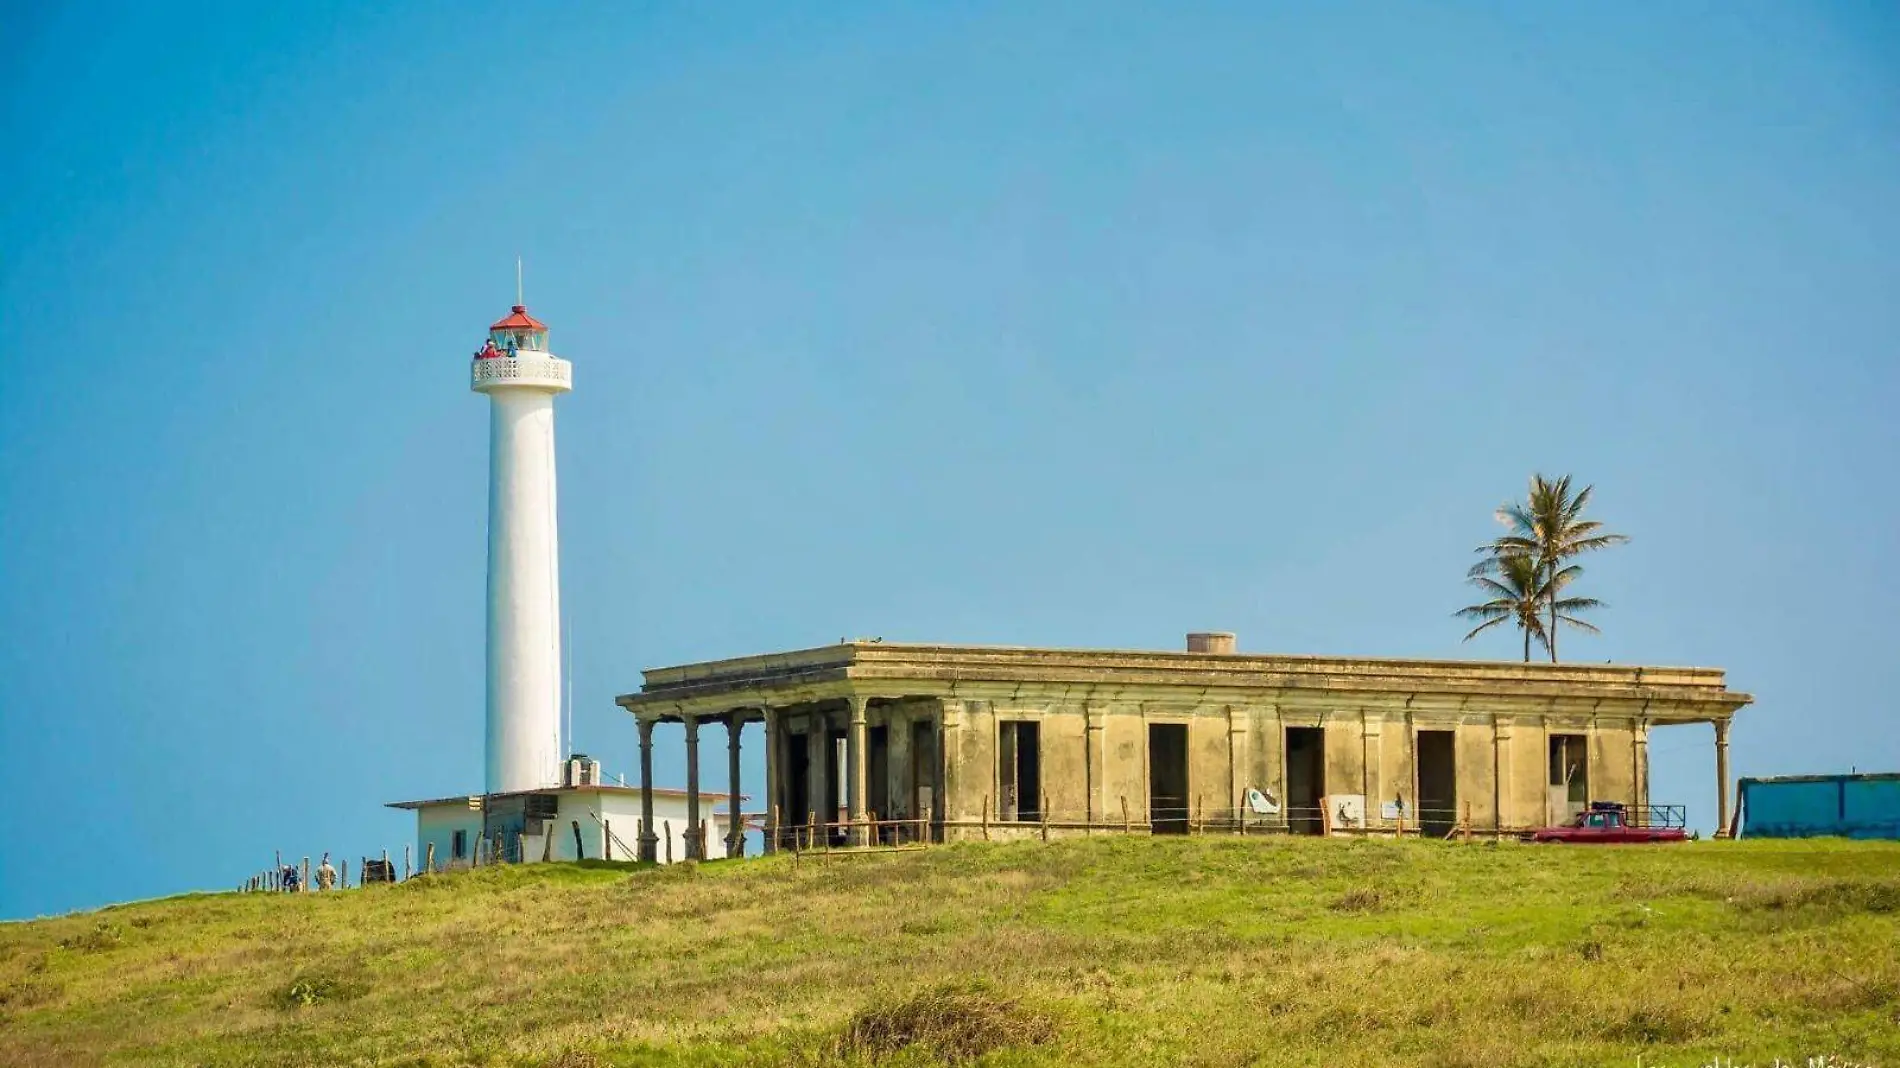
{"points": [[986, 817], [1045, 817], [303, 883], [547, 842], [1466, 822], [607, 839], [1200, 814], [580, 851], [668, 836], [1127, 827], [428, 862], [405, 862]]}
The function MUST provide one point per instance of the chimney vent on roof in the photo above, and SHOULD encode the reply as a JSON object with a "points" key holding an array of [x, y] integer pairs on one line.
{"points": [[1216, 642]]}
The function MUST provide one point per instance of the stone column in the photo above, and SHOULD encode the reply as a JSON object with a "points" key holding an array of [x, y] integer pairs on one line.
{"points": [[949, 772], [1372, 760], [1639, 749], [692, 787], [857, 777], [1271, 763], [649, 841], [1096, 757], [772, 776], [735, 826], [1721, 778], [1237, 760], [1411, 771], [1501, 771], [819, 761]]}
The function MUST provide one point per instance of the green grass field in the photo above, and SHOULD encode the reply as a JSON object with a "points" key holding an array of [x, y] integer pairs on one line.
{"points": [[1204, 951]]}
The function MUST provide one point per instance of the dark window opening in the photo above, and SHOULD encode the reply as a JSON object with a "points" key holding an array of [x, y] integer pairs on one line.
{"points": [[543, 806], [1569, 778], [458, 845], [1019, 767]]}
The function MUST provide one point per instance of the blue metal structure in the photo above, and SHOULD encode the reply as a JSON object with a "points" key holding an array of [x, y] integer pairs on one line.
{"points": [[1807, 806]]}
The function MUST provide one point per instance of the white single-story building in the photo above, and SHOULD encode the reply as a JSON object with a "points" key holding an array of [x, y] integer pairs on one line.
{"points": [[581, 819]]}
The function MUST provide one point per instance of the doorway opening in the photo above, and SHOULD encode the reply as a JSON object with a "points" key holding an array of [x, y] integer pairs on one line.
{"points": [[1569, 785], [1167, 778], [1437, 782], [1305, 779], [1019, 770]]}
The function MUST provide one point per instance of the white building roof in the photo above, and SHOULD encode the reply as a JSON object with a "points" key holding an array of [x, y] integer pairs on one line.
{"points": [[709, 796]]}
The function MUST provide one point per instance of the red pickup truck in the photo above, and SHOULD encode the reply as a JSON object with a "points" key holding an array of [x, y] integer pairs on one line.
{"points": [[1606, 823]]}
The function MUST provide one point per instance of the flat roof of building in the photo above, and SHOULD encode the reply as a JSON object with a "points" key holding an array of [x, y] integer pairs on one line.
{"points": [[881, 669], [1846, 776]]}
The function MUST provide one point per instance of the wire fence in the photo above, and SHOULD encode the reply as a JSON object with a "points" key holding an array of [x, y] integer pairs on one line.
{"points": [[806, 833]]}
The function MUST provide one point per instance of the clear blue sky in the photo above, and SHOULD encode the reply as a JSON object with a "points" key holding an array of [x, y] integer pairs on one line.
{"points": [[1080, 324]]}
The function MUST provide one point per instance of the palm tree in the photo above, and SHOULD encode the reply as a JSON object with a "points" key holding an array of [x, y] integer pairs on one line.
{"points": [[1517, 596], [1548, 529]]}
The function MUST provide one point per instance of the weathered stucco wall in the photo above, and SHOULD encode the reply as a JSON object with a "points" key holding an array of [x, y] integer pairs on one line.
{"points": [[1232, 748]]}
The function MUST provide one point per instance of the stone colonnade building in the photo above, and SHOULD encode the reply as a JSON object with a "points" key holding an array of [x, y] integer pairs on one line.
{"points": [[977, 741]]}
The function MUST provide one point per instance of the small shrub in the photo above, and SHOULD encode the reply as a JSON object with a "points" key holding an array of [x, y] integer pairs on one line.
{"points": [[314, 988], [953, 1023], [103, 936], [1591, 950], [27, 993], [1839, 895], [1360, 899], [1653, 1025]]}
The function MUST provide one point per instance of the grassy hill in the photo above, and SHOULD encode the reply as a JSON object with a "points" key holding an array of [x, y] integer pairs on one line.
{"points": [[1206, 951]]}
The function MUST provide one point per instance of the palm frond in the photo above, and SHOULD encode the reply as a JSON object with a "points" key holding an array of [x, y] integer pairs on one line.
{"points": [[1480, 628]]}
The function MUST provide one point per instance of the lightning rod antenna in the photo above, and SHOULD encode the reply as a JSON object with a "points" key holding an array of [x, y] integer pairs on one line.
{"points": [[518, 299]]}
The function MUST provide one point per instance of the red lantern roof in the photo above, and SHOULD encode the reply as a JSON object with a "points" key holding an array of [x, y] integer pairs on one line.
{"points": [[520, 320]]}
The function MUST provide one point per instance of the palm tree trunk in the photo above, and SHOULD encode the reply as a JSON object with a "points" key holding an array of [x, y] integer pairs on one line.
{"points": [[1550, 637], [1527, 645]]}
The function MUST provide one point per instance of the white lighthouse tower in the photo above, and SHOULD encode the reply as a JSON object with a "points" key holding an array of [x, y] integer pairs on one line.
{"points": [[521, 378]]}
